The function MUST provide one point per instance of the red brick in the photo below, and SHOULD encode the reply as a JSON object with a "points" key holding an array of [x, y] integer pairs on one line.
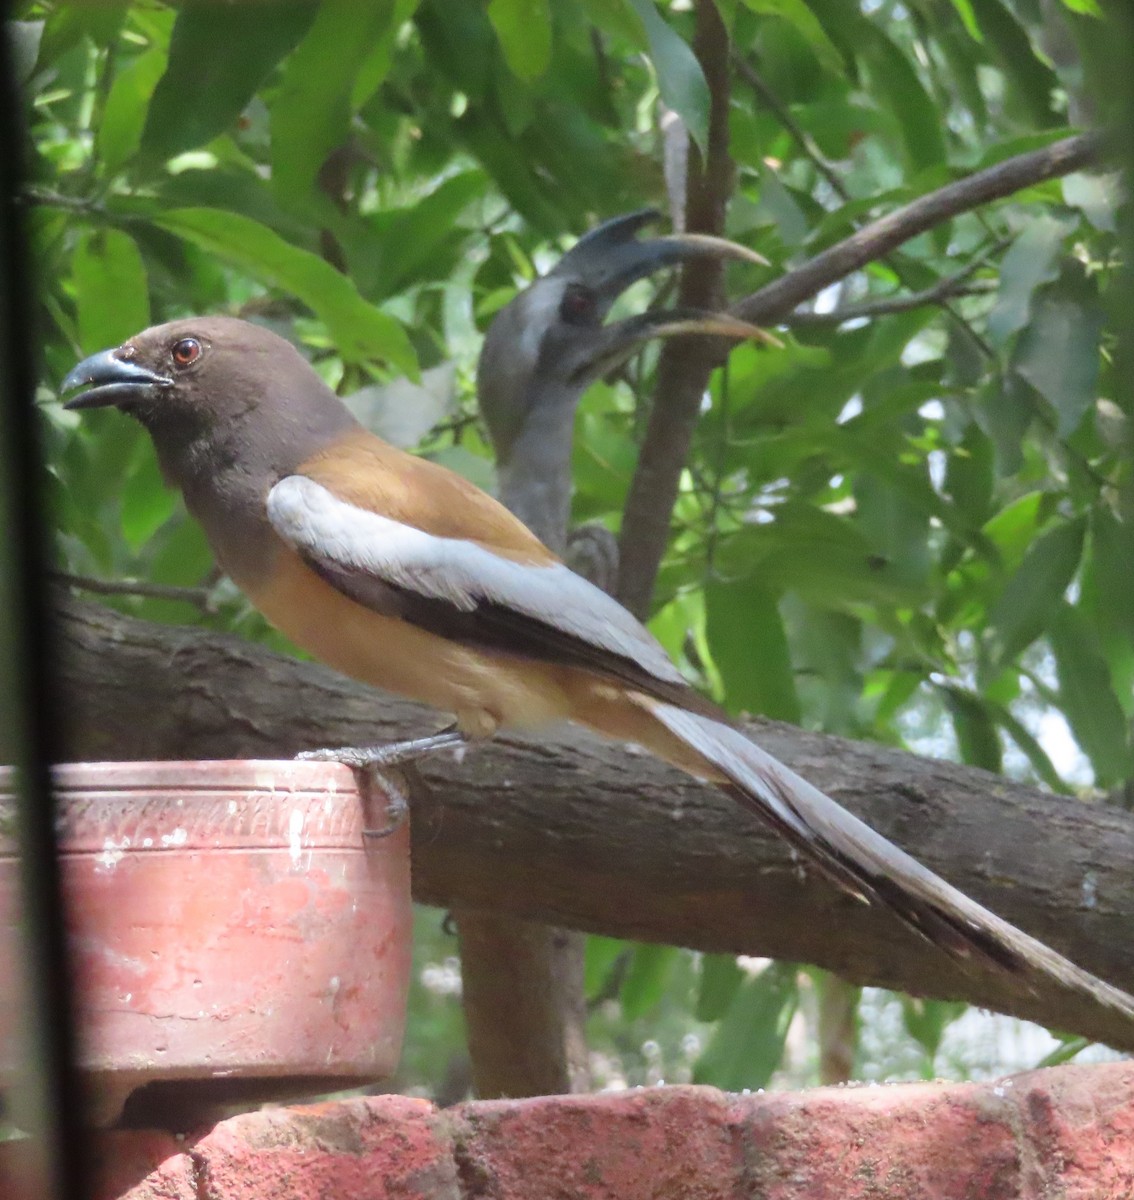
{"points": [[377, 1148], [658, 1142], [1077, 1124], [929, 1141], [1061, 1134]]}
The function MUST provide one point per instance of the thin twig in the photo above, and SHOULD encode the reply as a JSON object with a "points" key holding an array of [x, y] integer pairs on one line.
{"points": [[47, 198], [953, 285], [885, 306], [199, 597], [782, 113]]}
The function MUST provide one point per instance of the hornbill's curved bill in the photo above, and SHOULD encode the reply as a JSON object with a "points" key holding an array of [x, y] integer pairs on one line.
{"points": [[550, 343]]}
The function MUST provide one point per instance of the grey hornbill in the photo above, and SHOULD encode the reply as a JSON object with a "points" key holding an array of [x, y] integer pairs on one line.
{"points": [[550, 343], [540, 354]]}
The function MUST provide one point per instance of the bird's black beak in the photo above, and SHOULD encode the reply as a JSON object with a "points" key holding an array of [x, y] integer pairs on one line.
{"points": [[610, 258], [107, 379]]}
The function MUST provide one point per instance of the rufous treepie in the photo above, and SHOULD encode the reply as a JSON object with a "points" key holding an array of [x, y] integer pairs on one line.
{"points": [[400, 573]]}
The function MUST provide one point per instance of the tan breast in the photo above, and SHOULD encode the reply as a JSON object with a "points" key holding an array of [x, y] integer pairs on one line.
{"points": [[482, 689]]}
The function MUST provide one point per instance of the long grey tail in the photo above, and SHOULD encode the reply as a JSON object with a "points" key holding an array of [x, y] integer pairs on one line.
{"points": [[863, 861]]}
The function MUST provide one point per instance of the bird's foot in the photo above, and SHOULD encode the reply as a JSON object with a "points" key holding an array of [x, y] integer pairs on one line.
{"points": [[390, 755], [373, 765]]}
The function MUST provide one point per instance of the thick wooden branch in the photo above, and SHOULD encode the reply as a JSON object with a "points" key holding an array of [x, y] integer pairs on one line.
{"points": [[601, 837]]}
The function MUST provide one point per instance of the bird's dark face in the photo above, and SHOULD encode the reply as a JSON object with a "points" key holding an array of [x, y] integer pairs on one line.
{"points": [[188, 375], [552, 341], [219, 397]]}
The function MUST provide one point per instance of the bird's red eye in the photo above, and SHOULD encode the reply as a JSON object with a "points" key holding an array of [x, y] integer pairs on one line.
{"points": [[578, 306], [185, 352]]}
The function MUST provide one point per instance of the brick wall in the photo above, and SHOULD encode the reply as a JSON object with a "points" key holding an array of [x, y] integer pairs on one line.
{"points": [[1065, 1133]]}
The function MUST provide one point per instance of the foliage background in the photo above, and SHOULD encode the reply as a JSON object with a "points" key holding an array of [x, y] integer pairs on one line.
{"points": [[912, 525]]}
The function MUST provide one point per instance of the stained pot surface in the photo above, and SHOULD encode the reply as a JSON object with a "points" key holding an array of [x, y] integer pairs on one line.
{"points": [[230, 924]]}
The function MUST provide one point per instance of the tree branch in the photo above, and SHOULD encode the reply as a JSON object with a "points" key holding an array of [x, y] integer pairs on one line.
{"points": [[827, 169], [199, 597], [593, 836], [683, 372], [775, 301], [685, 364]]}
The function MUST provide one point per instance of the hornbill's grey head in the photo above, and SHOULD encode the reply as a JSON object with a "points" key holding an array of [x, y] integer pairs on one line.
{"points": [[546, 346]]}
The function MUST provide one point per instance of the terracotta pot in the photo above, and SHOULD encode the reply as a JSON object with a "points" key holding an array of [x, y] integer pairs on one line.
{"points": [[235, 936]]}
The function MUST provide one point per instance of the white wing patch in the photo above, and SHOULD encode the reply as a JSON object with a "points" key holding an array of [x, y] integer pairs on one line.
{"points": [[315, 522]]}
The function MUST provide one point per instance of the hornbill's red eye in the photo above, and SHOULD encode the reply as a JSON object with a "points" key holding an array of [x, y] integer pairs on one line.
{"points": [[579, 305], [185, 352]]}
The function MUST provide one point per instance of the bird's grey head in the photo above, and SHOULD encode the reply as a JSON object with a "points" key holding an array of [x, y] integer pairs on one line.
{"points": [[551, 341], [546, 346]]}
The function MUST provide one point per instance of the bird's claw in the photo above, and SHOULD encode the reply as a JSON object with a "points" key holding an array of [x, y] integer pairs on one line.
{"points": [[376, 782]]}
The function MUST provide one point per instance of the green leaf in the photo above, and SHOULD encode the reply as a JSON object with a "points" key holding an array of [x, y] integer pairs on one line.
{"points": [[1029, 81], [1096, 196], [524, 30], [1070, 1044], [111, 290], [311, 111], [975, 729], [219, 55], [1029, 746], [66, 24], [1031, 260], [1088, 8], [721, 976], [146, 501], [968, 19], [1027, 603], [749, 1041], [406, 241], [119, 134], [804, 21], [1112, 566], [1087, 696], [839, 568], [1058, 354], [927, 1020], [647, 978], [1004, 409], [750, 649], [680, 78], [1016, 525], [361, 333], [969, 475], [380, 56], [896, 529], [909, 103], [600, 957], [617, 19]]}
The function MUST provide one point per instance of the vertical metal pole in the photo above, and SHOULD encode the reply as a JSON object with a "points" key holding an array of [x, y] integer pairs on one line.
{"points": [[28, 708]]}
